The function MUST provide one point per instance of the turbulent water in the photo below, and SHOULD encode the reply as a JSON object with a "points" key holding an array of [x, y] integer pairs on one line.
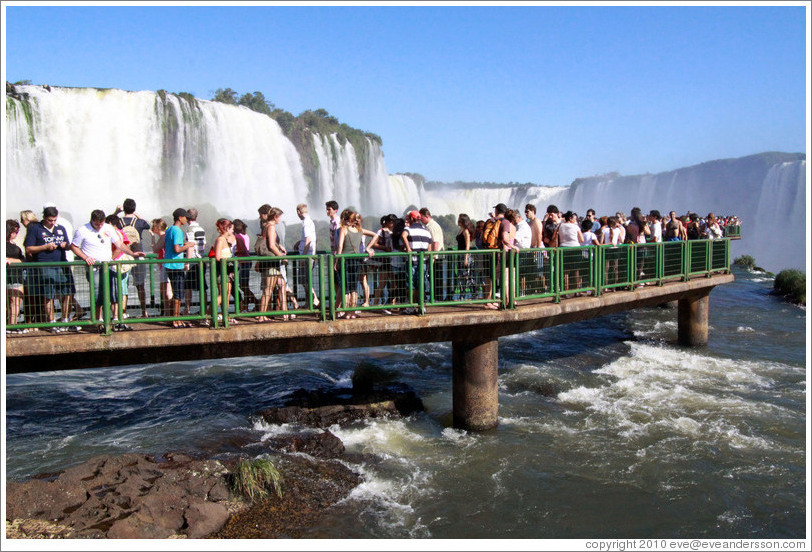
{"points": [[607, 428]]}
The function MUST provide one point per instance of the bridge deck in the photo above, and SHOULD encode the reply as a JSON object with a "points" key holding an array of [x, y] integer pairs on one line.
{"points": [[152, 342]]}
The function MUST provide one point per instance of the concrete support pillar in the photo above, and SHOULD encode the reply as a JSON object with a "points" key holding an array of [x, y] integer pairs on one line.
{"points": [[475, 365], [692, 320]]}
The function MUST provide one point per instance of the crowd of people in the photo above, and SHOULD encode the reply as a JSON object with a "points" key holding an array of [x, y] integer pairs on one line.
{"points": [[33, 294]]}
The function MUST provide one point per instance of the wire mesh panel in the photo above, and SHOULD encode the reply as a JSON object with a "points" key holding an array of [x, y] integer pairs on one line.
{"points": [[698, 260], [53, 295], [616, 265], [719, 254], [646, 262], [535, 273], [576, 269], [672, 253]]}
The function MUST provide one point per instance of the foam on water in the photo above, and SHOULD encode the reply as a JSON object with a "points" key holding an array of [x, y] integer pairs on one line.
{"points": [[660, 391]]}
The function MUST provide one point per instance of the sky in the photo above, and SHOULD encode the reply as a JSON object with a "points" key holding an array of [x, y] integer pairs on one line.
{"points": [[531, 92]]}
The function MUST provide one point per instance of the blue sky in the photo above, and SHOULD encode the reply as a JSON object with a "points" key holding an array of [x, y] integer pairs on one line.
{"points": [[526, 93]]}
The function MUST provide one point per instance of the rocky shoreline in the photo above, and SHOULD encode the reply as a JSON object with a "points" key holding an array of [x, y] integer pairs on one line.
{"points": [[178, 495]]}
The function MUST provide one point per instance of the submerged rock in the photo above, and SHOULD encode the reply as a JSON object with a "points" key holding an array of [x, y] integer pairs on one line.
{"points": [[309, 488], [318, 445], [323, 408]]}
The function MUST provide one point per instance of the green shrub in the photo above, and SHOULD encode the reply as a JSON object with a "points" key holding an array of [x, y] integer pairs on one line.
{"points": [[791, 283], [746, 261], [254, 478]]}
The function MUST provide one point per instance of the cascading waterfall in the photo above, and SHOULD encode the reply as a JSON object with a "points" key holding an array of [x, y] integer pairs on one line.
{"points": [[84, 148], [767, 191], [780, 227], [479, 201]]}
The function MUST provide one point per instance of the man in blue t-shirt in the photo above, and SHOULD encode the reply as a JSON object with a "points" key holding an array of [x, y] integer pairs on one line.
{"points": [[175, 247], [46, 242]]}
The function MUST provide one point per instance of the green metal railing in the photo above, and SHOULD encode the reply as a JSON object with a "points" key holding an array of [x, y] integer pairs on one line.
{"points": [[734, 231], [328, 287]]}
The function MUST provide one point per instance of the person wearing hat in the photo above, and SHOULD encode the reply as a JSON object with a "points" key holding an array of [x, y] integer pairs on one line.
{"points": [[175, 247], [415, 238]]}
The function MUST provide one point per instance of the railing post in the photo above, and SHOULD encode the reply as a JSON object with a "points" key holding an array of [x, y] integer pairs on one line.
{"points": [[331, 283], [91, 278], [322, 291], [431, 278], [685, 254], [105, 283], [225, 298], [421, 283], [212, 270], [513, 277], [708, 258]]}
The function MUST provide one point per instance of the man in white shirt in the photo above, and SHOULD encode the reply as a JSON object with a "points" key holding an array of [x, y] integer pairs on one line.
{"points": [[92, 242], [307, 246], [655, 220], [194, 233], [331, 208], [523, 234], [439, 261]]}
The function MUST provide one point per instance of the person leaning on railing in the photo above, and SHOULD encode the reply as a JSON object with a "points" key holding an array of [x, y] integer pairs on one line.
{"points": [[91, 243]]}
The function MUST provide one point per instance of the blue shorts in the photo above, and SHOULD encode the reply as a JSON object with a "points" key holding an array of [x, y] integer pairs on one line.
{"points": [[177, 278], [52, 282]]}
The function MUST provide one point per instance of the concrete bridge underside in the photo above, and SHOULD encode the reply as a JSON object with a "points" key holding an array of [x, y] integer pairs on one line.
{"points": [[473, 331]]}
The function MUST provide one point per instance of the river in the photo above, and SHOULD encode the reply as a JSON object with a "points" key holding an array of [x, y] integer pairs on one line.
{"points": [[607, 428]]}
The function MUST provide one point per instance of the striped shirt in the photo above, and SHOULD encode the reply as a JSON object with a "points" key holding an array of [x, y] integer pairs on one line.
{"points": [[419, 237]]}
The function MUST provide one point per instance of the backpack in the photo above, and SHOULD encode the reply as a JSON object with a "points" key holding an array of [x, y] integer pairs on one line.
{"points": [[490, 234], [131, 231], [547, 233]]}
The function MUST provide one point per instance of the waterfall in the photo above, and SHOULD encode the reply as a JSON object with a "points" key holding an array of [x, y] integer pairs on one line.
{"points": [[767, 191], [779, 226], [478, 201], [85, 149]]}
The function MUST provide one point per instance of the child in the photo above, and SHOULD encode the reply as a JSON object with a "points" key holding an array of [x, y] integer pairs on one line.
{"points": [[589, 236]]}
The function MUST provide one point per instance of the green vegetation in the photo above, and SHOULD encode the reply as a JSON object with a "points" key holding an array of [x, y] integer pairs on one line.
{"points": [[791, 284], [254, 478], [300, 129], [746, 261], [749, 262]]}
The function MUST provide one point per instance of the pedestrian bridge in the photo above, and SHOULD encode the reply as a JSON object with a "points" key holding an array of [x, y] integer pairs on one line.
{"points": [[534, 289]]}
